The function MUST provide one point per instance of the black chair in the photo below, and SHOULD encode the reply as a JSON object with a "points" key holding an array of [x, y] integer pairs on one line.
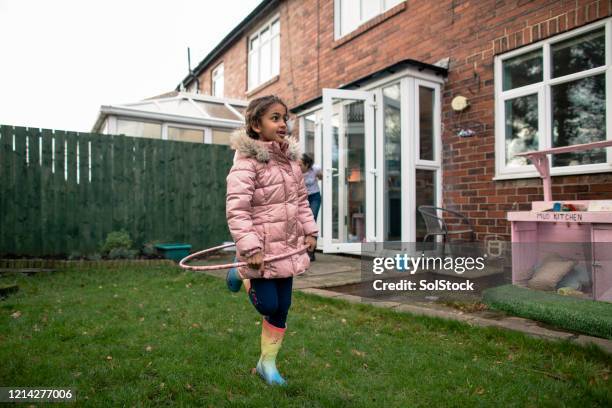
{"points": [[437, 221]]}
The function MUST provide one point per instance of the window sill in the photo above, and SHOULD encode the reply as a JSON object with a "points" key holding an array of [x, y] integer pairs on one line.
{"points": [[373, 22], [260, 87], [604, 168]]}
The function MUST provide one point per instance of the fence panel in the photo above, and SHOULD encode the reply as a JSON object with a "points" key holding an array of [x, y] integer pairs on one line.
{"points": [[155, 189]]}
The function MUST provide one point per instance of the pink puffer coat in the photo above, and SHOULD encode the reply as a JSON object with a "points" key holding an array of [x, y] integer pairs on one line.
{"points": [[267, 205]]}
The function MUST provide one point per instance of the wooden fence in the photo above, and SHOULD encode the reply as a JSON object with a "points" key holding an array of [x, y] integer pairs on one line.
{"points": [[63, 192]]}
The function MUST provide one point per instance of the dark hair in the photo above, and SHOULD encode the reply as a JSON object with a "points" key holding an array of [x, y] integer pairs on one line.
{"points": [[255, 111], [307, 160]]}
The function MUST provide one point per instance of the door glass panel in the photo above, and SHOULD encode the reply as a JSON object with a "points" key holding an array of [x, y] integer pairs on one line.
{"points": [[393, 160], [425, 195], [348, 174], [426, 123], [335, 174], [309, 132]]}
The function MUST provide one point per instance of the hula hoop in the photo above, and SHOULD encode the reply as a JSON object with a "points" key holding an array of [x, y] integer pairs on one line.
{"points": [[183, 265]]}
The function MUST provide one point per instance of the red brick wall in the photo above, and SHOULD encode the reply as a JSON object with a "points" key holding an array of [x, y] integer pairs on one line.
{"points": [[471, 33]]}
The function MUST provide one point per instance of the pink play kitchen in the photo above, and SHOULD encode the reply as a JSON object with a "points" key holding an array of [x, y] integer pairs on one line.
{"points": [[563, 246]]}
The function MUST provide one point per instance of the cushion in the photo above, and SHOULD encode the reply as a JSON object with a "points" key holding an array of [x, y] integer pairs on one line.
{"points": [[578, 279], [550, 273]]}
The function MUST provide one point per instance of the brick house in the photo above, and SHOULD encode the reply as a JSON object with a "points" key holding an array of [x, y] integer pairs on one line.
{"points": [[416, 102]]}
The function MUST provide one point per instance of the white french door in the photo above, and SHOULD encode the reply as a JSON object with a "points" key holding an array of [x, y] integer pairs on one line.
{"points": [[349, 173]]}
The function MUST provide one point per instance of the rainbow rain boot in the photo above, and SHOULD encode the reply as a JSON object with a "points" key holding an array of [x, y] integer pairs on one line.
{"points": [[233, 280], [271, 340]]}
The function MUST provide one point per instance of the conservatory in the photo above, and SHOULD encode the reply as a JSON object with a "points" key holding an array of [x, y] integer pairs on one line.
{"points": [[176, 115]]}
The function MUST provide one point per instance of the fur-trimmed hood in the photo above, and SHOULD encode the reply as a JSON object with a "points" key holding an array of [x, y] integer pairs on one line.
{"points": [[260, 150]]}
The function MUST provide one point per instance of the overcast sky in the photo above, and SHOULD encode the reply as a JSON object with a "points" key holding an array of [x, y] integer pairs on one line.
{"points": [[61, 59]]}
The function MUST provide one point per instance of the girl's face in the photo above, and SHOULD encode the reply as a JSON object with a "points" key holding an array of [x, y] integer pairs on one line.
{"points": [[273, 124]]}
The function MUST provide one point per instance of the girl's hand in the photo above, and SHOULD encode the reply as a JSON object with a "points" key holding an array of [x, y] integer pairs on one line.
{"points": [[255, 261], [311, 242]]}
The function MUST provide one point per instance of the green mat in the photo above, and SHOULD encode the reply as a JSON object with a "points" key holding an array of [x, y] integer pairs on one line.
{"points": [[585, 316]]}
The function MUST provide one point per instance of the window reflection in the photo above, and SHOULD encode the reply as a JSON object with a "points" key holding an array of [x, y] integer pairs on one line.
{"points": [[521, 128]]}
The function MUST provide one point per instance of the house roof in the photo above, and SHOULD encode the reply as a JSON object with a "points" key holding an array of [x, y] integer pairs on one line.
{"points": [[180, 107], [391, 69], [229, 39]]}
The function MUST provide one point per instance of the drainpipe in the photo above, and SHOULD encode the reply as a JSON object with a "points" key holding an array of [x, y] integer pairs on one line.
{"points": [[197, 80]]}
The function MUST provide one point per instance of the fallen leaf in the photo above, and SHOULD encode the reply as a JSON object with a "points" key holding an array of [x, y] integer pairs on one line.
{"points": [[149, 348], [141, 319], [480, 390], [109, 358], [16, 314], [358, 353]]}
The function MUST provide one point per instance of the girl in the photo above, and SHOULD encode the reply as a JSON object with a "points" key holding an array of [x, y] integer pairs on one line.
{"points": [[268, 214], [312, 172]]}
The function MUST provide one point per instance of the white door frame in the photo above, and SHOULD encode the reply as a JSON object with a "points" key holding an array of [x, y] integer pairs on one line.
{"points": [[369, 134]]}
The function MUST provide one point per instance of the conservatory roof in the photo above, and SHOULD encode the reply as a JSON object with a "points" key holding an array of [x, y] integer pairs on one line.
{"points": [[180, 107]]}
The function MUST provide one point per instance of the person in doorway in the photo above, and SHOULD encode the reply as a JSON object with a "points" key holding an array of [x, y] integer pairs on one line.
{"points": [[268, 214], [312, 173]]}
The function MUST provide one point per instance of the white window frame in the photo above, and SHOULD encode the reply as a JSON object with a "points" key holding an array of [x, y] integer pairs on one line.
{"points": [[218, 81], [543, 91], [338, 33], [254, 56]]}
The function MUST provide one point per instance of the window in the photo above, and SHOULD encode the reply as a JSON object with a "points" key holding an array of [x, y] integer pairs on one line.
{"points": [[553, 94], [350, 14], [139, 129], [217, 81], [264, 53], [221, 136], [185, 134]]}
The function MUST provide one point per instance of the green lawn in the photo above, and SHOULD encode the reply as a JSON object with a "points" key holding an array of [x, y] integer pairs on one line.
{"points": [[159, 336]]}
